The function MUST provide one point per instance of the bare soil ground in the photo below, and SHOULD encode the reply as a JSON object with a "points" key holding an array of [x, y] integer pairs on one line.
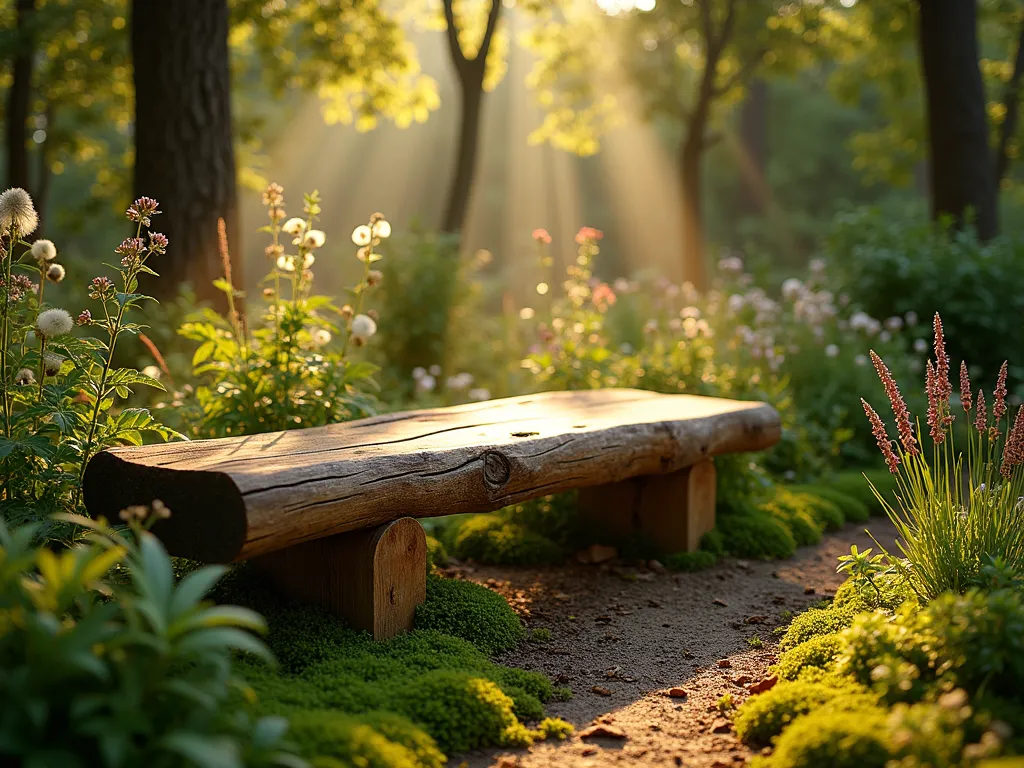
{"points": [[622, 637]]}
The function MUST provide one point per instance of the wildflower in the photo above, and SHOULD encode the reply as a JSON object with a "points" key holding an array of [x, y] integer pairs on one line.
{"points": [[965, 387], [273, 195], [730, 265], [426, 383], [54, 322], [651, 327], [100, 287], [129, 251], [362, 235], [434, 370], [160, 510], [294, 226], [158, 242], [894, 323], [1013, 451], [273, 251], [374, 277], [920, 345], [268, 293], [588, 235], [935, 420], [134, 512], [943, 387], [603, 296], [479, 393], [142, 209], [899, 405], [459, 381], [792, 288], [44, 250], [55, 273], [347, 312], [981, 417], [817, 266], [881, 437], [17, 212], [286, 263], [382, 229], [999, 404], [832, 351], [542, 236], [24, 377], [363, 327], [911, 318], [321, 337], [52, 363], [315, 238], [307, 261]]}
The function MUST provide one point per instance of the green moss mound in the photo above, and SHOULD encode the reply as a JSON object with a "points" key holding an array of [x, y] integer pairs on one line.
{"points": [[495, 539], [818, 652], [472, 612], [818, 622], [858, 485], [763, 717], [691, 561], [853, 508], [376, 740], [797, 512], [856, 740], [756, 535]]}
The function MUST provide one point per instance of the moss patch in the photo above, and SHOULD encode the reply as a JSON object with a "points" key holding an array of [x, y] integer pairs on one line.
{"points": [[763, 717], [858, 740], [472, 612], [818, 652]]}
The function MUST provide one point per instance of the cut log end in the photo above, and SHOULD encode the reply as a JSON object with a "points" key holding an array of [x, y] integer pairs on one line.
{"points": [[208, 521]]}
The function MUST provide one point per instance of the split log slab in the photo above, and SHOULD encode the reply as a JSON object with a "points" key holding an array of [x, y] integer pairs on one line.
{"points": [[244, 497]]}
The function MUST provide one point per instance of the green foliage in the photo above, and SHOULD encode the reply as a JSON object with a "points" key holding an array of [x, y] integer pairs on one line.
{"points": [[895, 265], [852, 508], [493, 538], [818, 652], [540, 635], [374, 740], [857, 740], [124, 669], [797, 514], [859, 485], [59, 391], [763, 717], [472, 612], [817, 622], [756, 535], [284, 372], [437, 555], [691, 561]]}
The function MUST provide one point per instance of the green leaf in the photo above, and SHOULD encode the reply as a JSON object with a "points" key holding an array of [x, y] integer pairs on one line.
{"points": [[193, 588], [205, 751]]}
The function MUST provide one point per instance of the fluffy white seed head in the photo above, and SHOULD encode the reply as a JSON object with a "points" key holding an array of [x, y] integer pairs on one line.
{"points": [[54, 322], [18, 212], [52, 363], [363, 327], [44, 250], [24, 377], [55, 273]]}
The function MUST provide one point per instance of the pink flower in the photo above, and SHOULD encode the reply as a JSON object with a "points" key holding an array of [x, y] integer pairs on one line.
{"points": [[603, 296], [899, 406], [142, 209], [85, 317], [981, 417], [965, 387], [588, 235], [542, 236], [881, 437], [999, 406]]}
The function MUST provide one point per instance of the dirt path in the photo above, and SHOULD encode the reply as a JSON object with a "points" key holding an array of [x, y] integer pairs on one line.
{"points": [[622, 637]]}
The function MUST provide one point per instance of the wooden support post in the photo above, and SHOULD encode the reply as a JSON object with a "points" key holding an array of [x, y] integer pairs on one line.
{"points": [[373, 578], [672, 511]]}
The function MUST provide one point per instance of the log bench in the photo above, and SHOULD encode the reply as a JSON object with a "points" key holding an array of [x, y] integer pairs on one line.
{"points": [[330, 511]]}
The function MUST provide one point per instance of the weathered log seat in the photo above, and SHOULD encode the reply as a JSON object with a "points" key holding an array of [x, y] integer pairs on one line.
{"points": [[330, 511]]}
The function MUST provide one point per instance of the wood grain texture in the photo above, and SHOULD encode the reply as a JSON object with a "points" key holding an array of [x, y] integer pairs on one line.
{"points": [[236, 498], [374, 578], [671, 512]]}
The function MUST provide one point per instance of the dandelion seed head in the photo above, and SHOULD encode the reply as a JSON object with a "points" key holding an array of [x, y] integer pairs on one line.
{"points": [[363, 327], [55, 273], [44, 250], [24, 377], [52, 363], [54, 322], [17, 212]]}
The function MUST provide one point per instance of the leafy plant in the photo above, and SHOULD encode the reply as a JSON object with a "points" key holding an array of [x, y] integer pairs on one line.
{"points": [[59, 392], [106, 661], [954, 518], [862, 566], [288, 371]]}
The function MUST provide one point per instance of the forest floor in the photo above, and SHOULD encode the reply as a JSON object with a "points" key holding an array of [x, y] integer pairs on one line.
{"points": [[623, 637]]}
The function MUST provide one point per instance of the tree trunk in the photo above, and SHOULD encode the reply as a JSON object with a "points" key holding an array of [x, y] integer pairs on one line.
{"points": [[1011, 101], [962, 178], [465, 163], [184, 155], [690, 157], [19, 97]]}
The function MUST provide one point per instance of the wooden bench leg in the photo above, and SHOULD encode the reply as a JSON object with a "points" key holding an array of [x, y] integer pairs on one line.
{"points": [[374, 578], [672, 511]]}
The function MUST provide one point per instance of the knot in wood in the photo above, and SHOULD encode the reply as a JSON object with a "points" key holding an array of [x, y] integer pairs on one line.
{"points": [[497, 469]]}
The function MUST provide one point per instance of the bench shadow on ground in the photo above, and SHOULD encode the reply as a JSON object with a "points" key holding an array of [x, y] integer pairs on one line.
{"points": [[621, 637]]}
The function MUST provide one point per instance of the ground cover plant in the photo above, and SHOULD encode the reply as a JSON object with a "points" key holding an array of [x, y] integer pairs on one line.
{"points": [[917, 659]]}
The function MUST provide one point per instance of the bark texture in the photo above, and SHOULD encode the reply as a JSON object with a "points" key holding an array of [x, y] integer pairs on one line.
{"points": [[19, 98], [960, 161], [236, 498], [184, 154]]}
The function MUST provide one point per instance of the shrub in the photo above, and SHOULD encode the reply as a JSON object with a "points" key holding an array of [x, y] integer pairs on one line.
{"points": [[857, 740], [798, 515], [106, 669], [818, 622], [472, 612], [691, 561], [437, 556], [852, 508], [492, 538], [763, 717], [374, 740], [756, 535], [818, 652], [854, 484]]}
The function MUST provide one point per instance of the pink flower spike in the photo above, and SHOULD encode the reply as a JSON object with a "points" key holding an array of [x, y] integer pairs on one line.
{"points": [[965, 387], [999, 404], [881, 437], [899, 406], [981, 417]]}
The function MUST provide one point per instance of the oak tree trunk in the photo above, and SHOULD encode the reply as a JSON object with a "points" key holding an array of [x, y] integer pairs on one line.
{"points": [[465, 163], [962, 178], [184, 155], [19, 97]]}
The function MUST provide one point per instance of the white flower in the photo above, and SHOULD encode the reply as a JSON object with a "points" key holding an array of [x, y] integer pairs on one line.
{"points": [[426, 383], [693, 312], [911, 318], [307, 260], [435, 370], [792, 288], [361, 235], [621, 285], [921, 346], [382, 230], [736, 302], [24, 377], [17, 210], [480, 393], [286, 263], [730, 264], [321, 337], [363, 327], [153, 371], [651, 326], [54, 322], [52, 363], [294, 226], [817, 266], [832, 350], [44, 250], [894, 323], [885, 337], [419, 372], [459, 381], [315, 238]]}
